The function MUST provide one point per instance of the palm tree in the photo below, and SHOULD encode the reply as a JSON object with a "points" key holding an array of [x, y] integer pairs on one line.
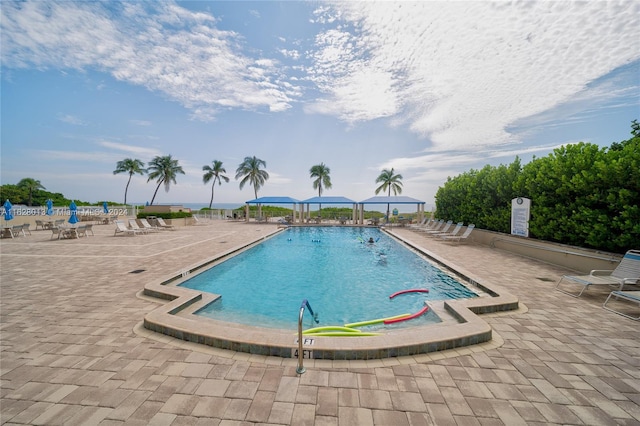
{"points": [[164, 169], [131, 166], [390, 181], [214, 173], [249, 171], [30, 185], [321, 173]]}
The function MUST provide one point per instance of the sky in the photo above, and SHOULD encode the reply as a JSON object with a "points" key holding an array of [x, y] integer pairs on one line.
{"points": [[430, 89]]}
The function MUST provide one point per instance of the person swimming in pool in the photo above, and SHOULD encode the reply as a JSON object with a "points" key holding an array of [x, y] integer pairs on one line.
{"points": [[371, 240]]}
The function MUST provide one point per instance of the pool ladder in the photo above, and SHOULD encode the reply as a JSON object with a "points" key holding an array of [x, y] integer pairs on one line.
{"points": [[305, 304]]}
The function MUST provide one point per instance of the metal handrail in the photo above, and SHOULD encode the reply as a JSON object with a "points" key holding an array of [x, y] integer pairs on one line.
{"points": [[306, 304]]}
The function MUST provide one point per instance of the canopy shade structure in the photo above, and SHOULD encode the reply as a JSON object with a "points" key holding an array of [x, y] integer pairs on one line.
{"points": [[328, 200], [269, 200], [325, 201], [397, 199], [273, 200], [400, 199]]}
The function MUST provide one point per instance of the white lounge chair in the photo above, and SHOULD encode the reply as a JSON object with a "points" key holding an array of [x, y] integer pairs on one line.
{"points": [[627, 272], [146, 225], [629, 296], [134, 225], [444, 227], [162, 224], [459, 238], [443, 233], [121, 228]]}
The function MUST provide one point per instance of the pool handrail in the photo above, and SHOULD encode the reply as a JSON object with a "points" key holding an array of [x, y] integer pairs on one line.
{"points": [[305, 303]]}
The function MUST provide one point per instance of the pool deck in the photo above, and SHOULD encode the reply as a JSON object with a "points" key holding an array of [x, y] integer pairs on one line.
{"points": [[73, 350]]}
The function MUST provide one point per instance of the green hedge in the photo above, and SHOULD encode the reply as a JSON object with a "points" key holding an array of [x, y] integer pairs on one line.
{"points": [[174, 215]]}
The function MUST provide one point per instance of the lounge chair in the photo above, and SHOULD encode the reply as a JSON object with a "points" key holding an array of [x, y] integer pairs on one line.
{"points": [[442, 228], [434, 225], [162, 224], [422, 225], [627, 272], [629, 296], [459, 238], [134, 225], [146, 225], [121, 228], [443, 233]]}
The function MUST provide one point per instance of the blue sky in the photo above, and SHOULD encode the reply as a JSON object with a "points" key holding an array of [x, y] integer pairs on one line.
{"points": [[432, 89]]}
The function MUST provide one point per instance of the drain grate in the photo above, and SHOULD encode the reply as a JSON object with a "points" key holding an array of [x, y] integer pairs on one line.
{"points": [[137, 271], [545, 279]]}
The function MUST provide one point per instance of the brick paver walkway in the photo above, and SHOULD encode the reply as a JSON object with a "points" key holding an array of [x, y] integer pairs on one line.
{"points": [[72, 352]]}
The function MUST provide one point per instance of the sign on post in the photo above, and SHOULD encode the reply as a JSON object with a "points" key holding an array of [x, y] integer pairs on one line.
{"points": [[520, 213]]}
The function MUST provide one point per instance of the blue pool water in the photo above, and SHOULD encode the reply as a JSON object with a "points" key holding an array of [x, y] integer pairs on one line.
{"points": [[344, 278]]}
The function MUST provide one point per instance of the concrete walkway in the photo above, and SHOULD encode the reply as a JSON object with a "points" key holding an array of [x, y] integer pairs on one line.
{"points": [[73, 353]]}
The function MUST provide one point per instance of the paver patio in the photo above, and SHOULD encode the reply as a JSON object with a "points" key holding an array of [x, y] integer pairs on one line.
{"points": [[72, 350]]}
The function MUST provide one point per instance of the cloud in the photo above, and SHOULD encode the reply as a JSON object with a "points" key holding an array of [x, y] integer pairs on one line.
{"points": [[462, 73], [160, 46], [140, 122], [131, 149], [71, 119]]}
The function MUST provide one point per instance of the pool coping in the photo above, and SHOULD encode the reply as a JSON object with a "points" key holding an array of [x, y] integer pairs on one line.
{"points": [[175, 318]]}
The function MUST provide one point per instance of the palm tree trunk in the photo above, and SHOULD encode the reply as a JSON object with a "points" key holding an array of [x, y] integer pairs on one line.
{"points": [[126, 189], [154, 194], [212, 187]]}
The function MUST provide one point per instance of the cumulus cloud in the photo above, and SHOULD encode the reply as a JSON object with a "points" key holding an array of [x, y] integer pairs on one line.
{"points": [[460, 73], [160, 46]]}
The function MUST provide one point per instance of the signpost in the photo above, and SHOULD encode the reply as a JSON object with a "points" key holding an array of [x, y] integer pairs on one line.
{"points": [[520, 213]]}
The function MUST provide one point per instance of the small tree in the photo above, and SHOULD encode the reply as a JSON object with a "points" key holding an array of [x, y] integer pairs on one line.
{"points": [[321, 173], [215, 173], [390, 182], [30, 185], [131, 166], [164, 169], [249, 170]]}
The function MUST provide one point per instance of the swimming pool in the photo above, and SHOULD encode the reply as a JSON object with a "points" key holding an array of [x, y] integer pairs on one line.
{"points": [[344, 278]]}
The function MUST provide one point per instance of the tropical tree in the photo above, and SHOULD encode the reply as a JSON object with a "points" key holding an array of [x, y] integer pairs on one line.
{"points": [[389, 182], [249, 170], [321, 173], [215, 173], [30, 185], [164, 169], [131, 166]]}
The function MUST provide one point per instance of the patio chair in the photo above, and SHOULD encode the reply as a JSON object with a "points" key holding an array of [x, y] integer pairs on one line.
{"points": [[443, 233], [57, 231], [134, 225], [40, 224], [628, 296], [443, 227], [81, 231], [25, 229], [121, 228], [162, 224], [459, 238], [146, 225], [627, 272], [88, 230], [17, 230]]}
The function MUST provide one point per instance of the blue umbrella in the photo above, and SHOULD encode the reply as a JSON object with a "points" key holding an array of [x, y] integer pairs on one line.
{"points": [[49, 207], [105, 208], [74, 212], [8, 215]]}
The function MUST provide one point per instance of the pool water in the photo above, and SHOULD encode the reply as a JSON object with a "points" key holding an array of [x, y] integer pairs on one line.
{"points": [[344, 277]]}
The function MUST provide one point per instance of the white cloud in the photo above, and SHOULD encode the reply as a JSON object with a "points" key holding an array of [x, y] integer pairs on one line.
{"points": [[71, 119], [131, 149], [161, 46], [461, 73]]}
